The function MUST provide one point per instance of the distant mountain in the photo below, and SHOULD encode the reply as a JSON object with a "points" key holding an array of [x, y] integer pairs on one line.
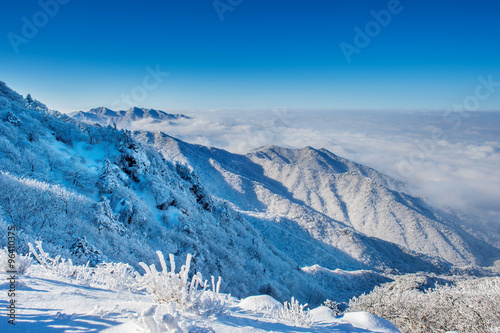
{"points": [[324, 194], [124, 118]]}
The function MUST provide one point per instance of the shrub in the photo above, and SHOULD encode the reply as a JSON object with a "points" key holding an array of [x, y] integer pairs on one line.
{"points": [[21, 262], [109, 275], [177, 288], [293, 312], [467, 306], [334, 306]]}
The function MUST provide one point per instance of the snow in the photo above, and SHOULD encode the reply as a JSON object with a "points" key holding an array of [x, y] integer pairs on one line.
{"points": [[322, 314], [49, 303], [91, 154], [368, 321], [260, 303]]}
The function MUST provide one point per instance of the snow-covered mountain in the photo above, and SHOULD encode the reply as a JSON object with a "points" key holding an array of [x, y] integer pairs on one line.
{"points": [[282, 222], [94, 193], [125, 118], [326, 195]]}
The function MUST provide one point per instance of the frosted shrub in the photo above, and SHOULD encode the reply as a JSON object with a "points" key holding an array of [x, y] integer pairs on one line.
{"points": [[334, 306], [468, 306], [293, 312], [212, 301], [109, 275], [22, 262], [114, 276], [177, 288], [59, 266]]}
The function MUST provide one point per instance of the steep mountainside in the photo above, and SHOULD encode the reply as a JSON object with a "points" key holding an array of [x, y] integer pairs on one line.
{"points": [[325, 193], [95, 193]]}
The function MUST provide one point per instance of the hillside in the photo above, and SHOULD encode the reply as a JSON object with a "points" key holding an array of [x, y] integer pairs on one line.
{"points": [[94, 193], [325, 194], [277, 221]]}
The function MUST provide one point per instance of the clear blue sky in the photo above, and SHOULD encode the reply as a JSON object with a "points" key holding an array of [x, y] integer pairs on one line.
{"points": [[263, 54]]}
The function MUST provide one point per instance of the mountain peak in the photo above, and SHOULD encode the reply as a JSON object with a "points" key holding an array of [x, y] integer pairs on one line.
{"points": [[124, 118], [321, 160]]}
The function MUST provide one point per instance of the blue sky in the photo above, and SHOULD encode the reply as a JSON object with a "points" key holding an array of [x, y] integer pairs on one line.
{"points": [[264, 54]]}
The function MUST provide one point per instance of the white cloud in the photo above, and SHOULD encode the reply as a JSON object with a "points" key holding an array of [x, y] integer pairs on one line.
{"points": [[459, 169]]}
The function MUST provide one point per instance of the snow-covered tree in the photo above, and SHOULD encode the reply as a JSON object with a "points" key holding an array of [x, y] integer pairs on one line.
{"points": [[33, 104], [12, 118], [108, 182], [105, 218], [420, 304], [85, 251]]}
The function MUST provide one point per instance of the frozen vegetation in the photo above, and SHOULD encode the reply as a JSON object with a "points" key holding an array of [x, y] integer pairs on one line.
{"points": [[299, 227], [419, 303], [60, 296]]}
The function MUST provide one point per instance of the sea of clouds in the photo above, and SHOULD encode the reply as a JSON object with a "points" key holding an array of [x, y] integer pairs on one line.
{"points": [[452, 159]]}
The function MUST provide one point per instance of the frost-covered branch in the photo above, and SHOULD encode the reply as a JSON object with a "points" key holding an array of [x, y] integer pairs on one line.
{"points": [[109, 275], [189, 294], [294, 312]]}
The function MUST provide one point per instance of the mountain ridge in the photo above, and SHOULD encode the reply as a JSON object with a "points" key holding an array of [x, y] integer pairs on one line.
{"points": [[105, 116], [237, 183]]}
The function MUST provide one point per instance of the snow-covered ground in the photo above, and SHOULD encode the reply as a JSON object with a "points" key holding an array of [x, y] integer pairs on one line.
{"points": [[50, 303]]}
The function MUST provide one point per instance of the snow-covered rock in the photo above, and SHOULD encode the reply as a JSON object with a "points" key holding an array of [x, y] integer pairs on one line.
{"points": [[369, 322], [322, 314], [263, 303]]}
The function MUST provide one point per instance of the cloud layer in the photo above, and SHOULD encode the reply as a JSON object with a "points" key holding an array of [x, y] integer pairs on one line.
{"points": [[450, 159]]}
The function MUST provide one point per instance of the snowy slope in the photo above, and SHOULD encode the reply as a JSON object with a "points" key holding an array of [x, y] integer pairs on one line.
{"points": [[325, 193], [366, 200], [50, 303], [94, 193]]}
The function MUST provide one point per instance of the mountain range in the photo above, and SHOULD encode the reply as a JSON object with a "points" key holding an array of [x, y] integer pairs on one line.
{"points": [[275, 221], [324, 194], [124, 118]]}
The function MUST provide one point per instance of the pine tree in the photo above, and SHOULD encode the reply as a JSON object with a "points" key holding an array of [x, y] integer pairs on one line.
{"points": [[108, 181]]}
